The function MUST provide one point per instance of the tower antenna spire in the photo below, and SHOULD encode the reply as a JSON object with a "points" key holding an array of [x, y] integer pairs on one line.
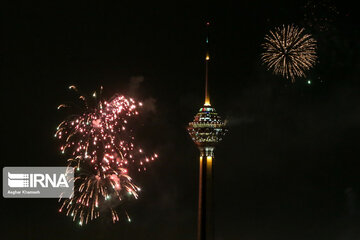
{"points": [[207, 59]]}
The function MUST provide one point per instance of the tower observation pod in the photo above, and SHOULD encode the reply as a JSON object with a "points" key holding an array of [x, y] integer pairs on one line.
{"points": [[206, 130]]}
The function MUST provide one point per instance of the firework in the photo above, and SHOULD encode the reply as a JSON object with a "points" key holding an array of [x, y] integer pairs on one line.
{"points": [[96, 188], [289, 51], [102, 152], [320, 14]]}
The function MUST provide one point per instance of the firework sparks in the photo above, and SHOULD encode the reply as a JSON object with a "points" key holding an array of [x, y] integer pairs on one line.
{"points": [[320, 14], [102, 151], [289, 51], [95, 188]]}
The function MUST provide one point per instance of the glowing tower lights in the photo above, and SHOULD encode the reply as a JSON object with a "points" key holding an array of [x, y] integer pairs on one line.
{"points": [[206, 131]]}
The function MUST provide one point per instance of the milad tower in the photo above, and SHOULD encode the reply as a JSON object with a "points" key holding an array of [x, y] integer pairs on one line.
{"points": [[206, 131]]}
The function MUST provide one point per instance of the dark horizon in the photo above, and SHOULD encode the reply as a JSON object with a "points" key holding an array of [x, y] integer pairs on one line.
{"points": [[288, 168]]}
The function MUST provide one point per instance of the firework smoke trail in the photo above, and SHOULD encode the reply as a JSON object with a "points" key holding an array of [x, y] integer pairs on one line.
{"points": [[289, 51], [102, 151]]}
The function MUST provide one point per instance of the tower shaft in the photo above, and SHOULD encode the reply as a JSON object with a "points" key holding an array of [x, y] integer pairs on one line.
{"points": [[205, 209]]}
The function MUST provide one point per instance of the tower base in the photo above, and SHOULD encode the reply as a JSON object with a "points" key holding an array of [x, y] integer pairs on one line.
{"points": [[205, 210]]}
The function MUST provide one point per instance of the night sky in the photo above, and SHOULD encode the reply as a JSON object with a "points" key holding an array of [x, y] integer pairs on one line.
{"points": [[289, 166]]}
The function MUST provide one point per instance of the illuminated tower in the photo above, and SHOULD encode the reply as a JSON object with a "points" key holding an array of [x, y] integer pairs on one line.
{"points": [[206, 131]]}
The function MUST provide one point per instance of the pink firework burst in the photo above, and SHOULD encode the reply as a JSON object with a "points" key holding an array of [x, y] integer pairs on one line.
{"points": [[103, 152]]}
